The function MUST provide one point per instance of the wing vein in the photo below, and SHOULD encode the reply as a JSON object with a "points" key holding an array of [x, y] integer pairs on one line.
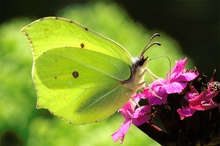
{"points": [[100, 98]]}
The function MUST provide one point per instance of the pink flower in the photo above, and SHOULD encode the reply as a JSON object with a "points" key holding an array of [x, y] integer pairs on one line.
{"points": [[157, 91], [196, 101], [179, 78], [136, 116]]}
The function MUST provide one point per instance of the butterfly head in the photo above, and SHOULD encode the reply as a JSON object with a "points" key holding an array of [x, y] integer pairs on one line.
{"points": [[139, 67]]}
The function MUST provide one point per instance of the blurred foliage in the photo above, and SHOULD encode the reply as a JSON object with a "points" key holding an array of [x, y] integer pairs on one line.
{"points": [[22, 124]]}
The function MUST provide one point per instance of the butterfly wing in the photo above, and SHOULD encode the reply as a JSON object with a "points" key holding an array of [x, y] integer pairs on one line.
{"points": [[80, 86], [53, 32]]}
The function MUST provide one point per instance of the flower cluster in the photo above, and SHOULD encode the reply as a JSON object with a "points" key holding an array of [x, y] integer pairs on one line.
{"points": [[178, 82]]}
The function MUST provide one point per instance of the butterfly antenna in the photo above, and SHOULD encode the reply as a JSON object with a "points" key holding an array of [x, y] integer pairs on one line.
{"points": [[146, 47], [169, 73]]}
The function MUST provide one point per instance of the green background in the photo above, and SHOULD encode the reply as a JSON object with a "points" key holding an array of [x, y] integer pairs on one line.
{"points": [[22, 124]]}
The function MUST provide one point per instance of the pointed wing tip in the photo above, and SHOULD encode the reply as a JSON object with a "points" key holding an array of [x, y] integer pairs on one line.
{"points": [[23, 30]]}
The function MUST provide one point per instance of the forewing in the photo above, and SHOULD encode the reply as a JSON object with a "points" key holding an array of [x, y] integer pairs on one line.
{"points": [[53, 32]]}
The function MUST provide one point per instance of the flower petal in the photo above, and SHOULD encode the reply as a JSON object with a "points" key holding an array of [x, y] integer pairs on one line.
{"points": [[120, 133], [175, 87], [187, 76], [141, 115], [203, 101], [185, 112], [156, 97], [126, 110], [178, 69]]}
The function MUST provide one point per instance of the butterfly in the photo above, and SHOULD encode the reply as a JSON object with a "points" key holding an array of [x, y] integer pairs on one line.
{"points": [[78, 74]]}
